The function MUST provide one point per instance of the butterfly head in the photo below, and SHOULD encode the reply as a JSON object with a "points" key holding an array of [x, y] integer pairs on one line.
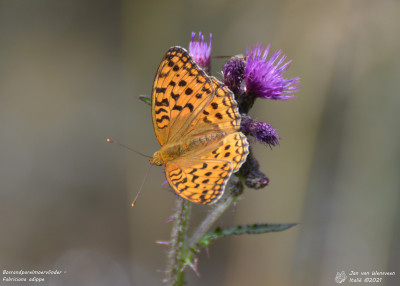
{"points": [[157, 159]]}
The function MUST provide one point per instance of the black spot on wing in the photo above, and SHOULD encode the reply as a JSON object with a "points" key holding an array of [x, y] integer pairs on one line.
{"points": [[188, 91], [205, 119], [160, 89], [174, 96], [190, 106], [164, 117], [163, 102], [160, 110], [177, 107], [177, 174]]}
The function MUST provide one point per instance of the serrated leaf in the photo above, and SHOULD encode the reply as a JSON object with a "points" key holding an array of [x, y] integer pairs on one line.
{"points": [[246, 229], [145, 98]]}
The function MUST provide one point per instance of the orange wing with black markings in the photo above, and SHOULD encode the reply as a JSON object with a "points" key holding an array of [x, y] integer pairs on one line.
{"points": [[199, 181], [181, 90], [197, 122]]}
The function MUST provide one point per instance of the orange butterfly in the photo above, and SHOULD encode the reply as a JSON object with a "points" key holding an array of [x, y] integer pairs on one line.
{"points": [[196, 121]]}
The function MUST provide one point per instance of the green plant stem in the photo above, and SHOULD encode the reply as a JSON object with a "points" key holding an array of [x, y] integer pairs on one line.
{"points": [[202, 229], [178, 244]]}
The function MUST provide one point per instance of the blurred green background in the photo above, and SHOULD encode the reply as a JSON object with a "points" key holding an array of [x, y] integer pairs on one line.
{"points": [[70, 74]]}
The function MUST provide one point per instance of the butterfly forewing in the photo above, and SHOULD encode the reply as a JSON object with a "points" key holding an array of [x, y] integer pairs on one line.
{"points": [[180, 91], [220, 114]]}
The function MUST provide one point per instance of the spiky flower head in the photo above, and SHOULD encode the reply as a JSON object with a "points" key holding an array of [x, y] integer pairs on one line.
{"points": [[234, 73], [263, 132], [264, 78], [201, 51]]}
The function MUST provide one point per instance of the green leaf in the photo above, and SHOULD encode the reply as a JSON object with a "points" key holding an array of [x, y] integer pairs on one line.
{"points": [[246, 229], [145, 98]]}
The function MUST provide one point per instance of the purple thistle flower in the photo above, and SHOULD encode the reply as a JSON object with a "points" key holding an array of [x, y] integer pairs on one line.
{"points": [[201, 51], [234, 73], [264, 78], [263, 132]]}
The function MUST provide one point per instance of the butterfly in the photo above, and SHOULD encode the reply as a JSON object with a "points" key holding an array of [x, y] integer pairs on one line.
{"points": [[196, 122]]}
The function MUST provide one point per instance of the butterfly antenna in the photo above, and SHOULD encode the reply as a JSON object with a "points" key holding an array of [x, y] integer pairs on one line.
{"points": [[126, 147], [228, 57], [141, 186], [221, 57]]}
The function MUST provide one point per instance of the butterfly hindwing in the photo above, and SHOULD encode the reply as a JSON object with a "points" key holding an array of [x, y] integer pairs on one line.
{"points": [[199, 181], [233, 148]]}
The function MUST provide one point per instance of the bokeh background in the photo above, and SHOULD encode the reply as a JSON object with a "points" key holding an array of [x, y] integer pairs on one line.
{"points": [[70, 75]]}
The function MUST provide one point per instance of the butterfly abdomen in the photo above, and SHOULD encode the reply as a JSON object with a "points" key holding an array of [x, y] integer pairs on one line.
{"points": [[202, 141], [170, 152]]}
